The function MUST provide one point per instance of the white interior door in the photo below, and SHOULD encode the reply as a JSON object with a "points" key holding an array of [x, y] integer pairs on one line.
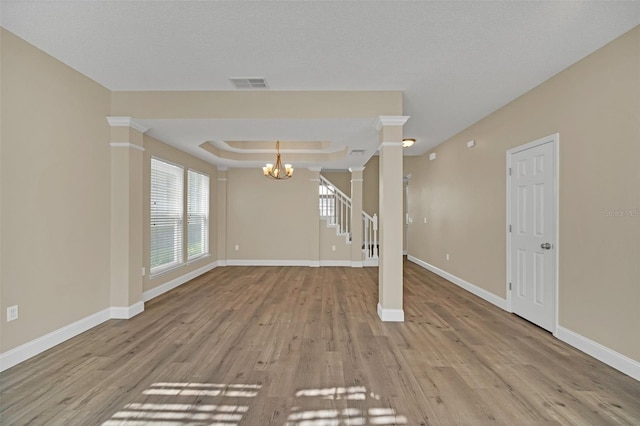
{"points": [[532, 253]]}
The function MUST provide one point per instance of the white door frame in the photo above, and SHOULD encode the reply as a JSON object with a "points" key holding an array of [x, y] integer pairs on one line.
{"points": [[555, 140], [405, 219]]}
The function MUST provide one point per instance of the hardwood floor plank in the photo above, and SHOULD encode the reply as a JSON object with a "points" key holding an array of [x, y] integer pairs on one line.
{"points": [[302, 346]]}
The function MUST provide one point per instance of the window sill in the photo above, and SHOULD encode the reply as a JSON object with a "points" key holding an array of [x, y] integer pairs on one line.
{"points": [[196, 259], [178, 266]]}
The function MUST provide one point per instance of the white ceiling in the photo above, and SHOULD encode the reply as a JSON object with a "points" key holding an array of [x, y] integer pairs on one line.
{"points": [[455, 62]]}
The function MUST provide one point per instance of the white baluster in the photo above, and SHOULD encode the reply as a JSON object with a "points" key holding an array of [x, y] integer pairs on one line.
{"points": [[375, 236]]}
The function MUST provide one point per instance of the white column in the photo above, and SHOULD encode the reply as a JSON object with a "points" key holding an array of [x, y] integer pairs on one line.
{"points": [[314, 212], [222, 216], [356, 216], [126, 217], [390, 277]]}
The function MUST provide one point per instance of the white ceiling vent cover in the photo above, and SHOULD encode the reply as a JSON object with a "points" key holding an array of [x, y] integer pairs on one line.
{"points": [[357, 152], [249, 83]]}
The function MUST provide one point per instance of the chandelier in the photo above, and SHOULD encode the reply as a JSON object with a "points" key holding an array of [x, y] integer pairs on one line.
{"points": [[278, 171]]}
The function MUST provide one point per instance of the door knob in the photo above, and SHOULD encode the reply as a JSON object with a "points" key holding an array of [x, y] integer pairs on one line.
{"points": [[545, 246]]}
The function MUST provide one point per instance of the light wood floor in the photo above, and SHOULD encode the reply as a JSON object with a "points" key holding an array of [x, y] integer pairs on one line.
{"points": [[304, 346]]}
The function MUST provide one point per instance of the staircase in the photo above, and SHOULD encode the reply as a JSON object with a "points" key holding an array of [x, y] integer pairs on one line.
{"points": [[335, 209]]}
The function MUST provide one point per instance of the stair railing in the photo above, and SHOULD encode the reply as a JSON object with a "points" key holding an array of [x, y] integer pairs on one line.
{"points": [[370, 236], [335, 206]]}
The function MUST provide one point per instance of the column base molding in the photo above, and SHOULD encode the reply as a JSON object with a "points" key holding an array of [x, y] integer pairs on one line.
{"points": [[390, 315]]}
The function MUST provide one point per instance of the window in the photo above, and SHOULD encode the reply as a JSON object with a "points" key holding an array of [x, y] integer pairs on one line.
{"points": [[197, 215], [167, 181], [327, 202]]}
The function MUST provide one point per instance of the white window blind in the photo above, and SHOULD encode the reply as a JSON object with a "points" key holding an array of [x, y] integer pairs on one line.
{"points": [[198, 214], [167, 181]]}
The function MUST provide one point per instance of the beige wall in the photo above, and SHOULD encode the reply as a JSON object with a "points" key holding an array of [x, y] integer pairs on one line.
{"points": [[329, 239], [55, 177], [160, 150], [595, 107], [269, 219], [342, 180], [370, 180]]}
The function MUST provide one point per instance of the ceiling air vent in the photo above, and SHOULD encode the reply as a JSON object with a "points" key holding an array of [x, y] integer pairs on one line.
{"points": [[357, 152], [249, 83]]}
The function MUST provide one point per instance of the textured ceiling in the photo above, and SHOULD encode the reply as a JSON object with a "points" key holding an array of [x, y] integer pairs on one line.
{"points": [[455, 62]]}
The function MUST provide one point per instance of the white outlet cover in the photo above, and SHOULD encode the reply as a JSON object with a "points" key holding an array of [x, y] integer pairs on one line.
{"points": [[471, 144], [432, 156], [237, 247], [12, 313]]}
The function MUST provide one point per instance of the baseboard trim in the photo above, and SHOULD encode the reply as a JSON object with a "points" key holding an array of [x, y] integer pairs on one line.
{"points": [[310, 263], [480, 292], [127, 312], [390, 315], [610, 357], [170, 285], [30, 349], [335, 263], [356, 264], [244, 262]]}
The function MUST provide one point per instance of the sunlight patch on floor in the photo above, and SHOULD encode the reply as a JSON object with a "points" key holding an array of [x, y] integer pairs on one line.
{"points": [[345, 417], [179, 412], [219, 404]]}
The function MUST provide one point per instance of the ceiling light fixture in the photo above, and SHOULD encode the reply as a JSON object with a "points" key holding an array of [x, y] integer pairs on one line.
{"points": [[406, 143], [277, 171]]}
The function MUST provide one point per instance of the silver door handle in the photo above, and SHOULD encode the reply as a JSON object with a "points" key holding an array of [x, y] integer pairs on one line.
{"points": [[545, 246]]}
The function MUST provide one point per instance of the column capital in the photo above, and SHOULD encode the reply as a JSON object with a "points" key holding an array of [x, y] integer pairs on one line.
{"points": [[315, 169], [387, 144], [126, 122], [390, 120], [126, 145], [356, 169]]}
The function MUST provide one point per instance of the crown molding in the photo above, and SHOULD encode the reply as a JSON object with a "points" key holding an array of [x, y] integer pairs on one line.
{"points": [[126, 122], [390, 120]]}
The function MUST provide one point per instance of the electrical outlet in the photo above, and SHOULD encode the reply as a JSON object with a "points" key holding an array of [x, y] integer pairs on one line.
{"points": [[447, 256], [333, 248], [144, 271], [12, 313], [424, 220], [237, 247]]}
